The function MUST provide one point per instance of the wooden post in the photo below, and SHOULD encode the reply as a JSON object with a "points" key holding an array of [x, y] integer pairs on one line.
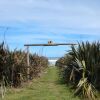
{"points": [[12, 75], [28, 63]]}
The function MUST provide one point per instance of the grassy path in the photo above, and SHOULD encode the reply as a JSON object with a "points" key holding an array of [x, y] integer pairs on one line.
{"points": [[44, 88]]}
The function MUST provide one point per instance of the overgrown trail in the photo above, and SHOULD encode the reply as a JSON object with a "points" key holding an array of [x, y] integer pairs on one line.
{"points": [[44, 88]]}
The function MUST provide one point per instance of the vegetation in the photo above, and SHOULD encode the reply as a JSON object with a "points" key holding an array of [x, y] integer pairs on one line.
{"points": [[46, 87], [13, 67], [80, 68]]}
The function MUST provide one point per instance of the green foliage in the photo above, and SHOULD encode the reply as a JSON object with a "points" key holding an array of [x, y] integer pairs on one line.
{"points": [[82, 68], [84, 86]]}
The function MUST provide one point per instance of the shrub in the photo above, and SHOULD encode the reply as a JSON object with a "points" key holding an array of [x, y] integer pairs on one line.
{"points": [[74, 70], [13, 66]]}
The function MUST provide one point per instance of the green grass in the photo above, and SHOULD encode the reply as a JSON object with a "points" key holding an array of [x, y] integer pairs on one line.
{"points": [[44, 88]]}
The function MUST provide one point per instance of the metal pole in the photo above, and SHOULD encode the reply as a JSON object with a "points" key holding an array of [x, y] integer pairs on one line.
{"points": [[28, 64]]}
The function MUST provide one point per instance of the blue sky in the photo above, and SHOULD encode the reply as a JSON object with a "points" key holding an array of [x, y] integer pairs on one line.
{"points": [[37, 21]]}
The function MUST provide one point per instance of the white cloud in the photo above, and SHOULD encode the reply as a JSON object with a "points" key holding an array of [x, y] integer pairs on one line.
{"points": [[50, 13], [37, 21], [59, 16]]}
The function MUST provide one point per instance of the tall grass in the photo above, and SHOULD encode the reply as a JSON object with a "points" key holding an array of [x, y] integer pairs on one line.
{"points": [[82, 76], [13, 67]]}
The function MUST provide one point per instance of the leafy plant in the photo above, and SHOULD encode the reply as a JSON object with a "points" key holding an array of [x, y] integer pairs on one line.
{"points": [[82, 68], [84, 86], [13, 67]]}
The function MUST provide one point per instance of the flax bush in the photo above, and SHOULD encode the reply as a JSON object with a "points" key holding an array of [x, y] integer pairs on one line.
{"points": [[13, 66], [74, 68]]}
